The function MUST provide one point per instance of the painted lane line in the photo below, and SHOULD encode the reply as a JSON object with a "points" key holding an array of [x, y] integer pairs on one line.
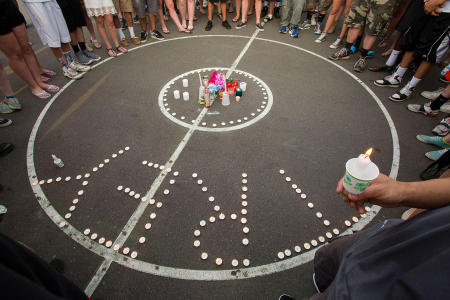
{"points": [[129, 226]]}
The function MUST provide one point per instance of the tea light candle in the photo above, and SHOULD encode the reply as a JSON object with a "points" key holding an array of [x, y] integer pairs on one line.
{"points": [[185, 96], [185, 83], [176, 94], [238, 98]]}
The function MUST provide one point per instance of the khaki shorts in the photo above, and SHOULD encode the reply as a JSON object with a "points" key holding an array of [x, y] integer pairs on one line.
{"points": [[322, 5], [123, 5], [373, 14]]}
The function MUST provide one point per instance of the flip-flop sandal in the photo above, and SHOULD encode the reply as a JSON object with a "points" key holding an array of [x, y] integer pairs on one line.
{"points": [[89, 48], [42, 95], [235, 19], [190, 29], [45, 79], [96, 44], [167, 31], [111, 52], [52, 88], [121, 49], [49, 73]]}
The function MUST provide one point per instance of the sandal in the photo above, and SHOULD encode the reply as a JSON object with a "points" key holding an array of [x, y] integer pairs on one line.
{"points": [[111, 52], [45, 79], [96, 44], [42, 95], [121, 49], [190, 28], [166, 31], [89, 48], [185, 30], [52, 88], [48, 73], [235, 19]]}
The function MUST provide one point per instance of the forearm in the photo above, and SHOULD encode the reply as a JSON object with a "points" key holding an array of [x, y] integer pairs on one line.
{"points": [[426, 194]]}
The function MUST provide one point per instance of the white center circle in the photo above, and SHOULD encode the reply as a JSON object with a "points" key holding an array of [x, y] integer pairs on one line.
{"points": [[262, 104]]}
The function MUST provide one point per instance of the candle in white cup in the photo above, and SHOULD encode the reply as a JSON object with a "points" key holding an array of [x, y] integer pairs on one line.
{"points": [[185, 96], [185, 83], [243, 86], [176, 94], [359, 173]]}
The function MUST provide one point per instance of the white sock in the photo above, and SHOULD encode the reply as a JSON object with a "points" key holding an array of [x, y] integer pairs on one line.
{"points": [[414, 81], [400, 71], [392, 58], [121, 35], [131, 30]]}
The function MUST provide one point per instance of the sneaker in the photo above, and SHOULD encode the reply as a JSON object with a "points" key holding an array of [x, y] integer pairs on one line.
{"points": [[91, 55], [321, 38], [305, 25], [4, 108], [143, 36], [314, 20], [284, 29], [383, 68], [433, 140], [443, 79], [124, 42], [157, 35], [5, 122], [435, 155], [336, 43], [268, 18], [13, 103], [445, 108], [353, 49], [392, 80], [342, 53], [241, 25], [403, 94], [294, 31], [136, 19], [70, 73], [432, 95], [424, 109], [442, 128], [135, 40], [259, 27], [317, 30], [360, 65], [83, 59], [209, 25], [226, 24], [79, 67]]}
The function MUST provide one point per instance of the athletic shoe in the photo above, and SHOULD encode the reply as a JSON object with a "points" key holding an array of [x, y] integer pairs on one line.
{"points": [[336, 43], [435, 155], [433, 140], [424, 109], [83, 59], [135, 40], [79, 67], [392, 80], [13, 103], [442, 128], [284, 29], [70, 73], [342, 53], [294, 31], [321, 38], [4, 108], [5, 122], [91, 55], [268, 18], [317, 30], [209, 25], [353, 49], [403, 94], [305, 25], [241, 25], [259, 27], [143, 36], [370, 54], [155, 34], [226, 24], [360, 65], [443, 79], [432, 95], [383, 68], [314, 20], [124, 42], [445, 108]]}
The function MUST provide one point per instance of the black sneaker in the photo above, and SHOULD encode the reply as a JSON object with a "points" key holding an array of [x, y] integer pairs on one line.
{"points": [[5, 122], [226, 25], [143, 36], [209, 25], [259, 27], [157, 35], [241, 25]]}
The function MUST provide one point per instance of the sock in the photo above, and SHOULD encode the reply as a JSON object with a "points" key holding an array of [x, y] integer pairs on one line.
{"points": [[320, 18], [120, 32], [75, 48], [309, 15], [82, 46], [392, 58], [400, 71], [62, 61], [131, 30], [69, 57], [364, 52], [10, 97], [436, 104], [414, 81], [348, 45], [358, 41]]}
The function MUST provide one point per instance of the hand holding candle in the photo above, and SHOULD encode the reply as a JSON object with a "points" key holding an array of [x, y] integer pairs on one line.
{"points": [[359, 172]]}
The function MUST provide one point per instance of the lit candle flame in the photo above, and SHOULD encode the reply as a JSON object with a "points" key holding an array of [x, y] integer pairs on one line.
{"points": [[368, 152]]}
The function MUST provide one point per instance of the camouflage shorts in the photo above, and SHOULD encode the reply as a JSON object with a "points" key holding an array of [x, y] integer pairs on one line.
{"points": [[374, 14], [320, 4]]}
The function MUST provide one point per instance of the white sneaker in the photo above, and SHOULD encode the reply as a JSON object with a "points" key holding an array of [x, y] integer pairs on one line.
{"points": [[392, 80], [79, 67], [317, 29], [336, 43], [314, 19], [70, 73], [445, 108], [321, 38], [432, 95], [403, 94]]}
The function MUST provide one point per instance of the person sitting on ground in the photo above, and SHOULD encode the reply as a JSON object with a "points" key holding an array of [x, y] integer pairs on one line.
{"points": [[10, 103], [442, 142], [432, 109], [394, 259]]}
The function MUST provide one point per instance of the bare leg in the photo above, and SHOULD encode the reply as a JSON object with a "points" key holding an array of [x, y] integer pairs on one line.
{"points": [[223, 8], [161, 17], [210, 10], [407, 59], [334, 11], [152, 19], [238, 11], [91, 30], [230, 9], [250, 6], [369, 41], [258, 8], [191, 13], [244, 10], [143, 23], [112, 30], [348, 4], [174, 16], [182, 9], [5, 85], [100, 21]]}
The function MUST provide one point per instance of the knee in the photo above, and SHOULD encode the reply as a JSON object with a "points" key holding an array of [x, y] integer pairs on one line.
{"points": [[26, 48]]}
